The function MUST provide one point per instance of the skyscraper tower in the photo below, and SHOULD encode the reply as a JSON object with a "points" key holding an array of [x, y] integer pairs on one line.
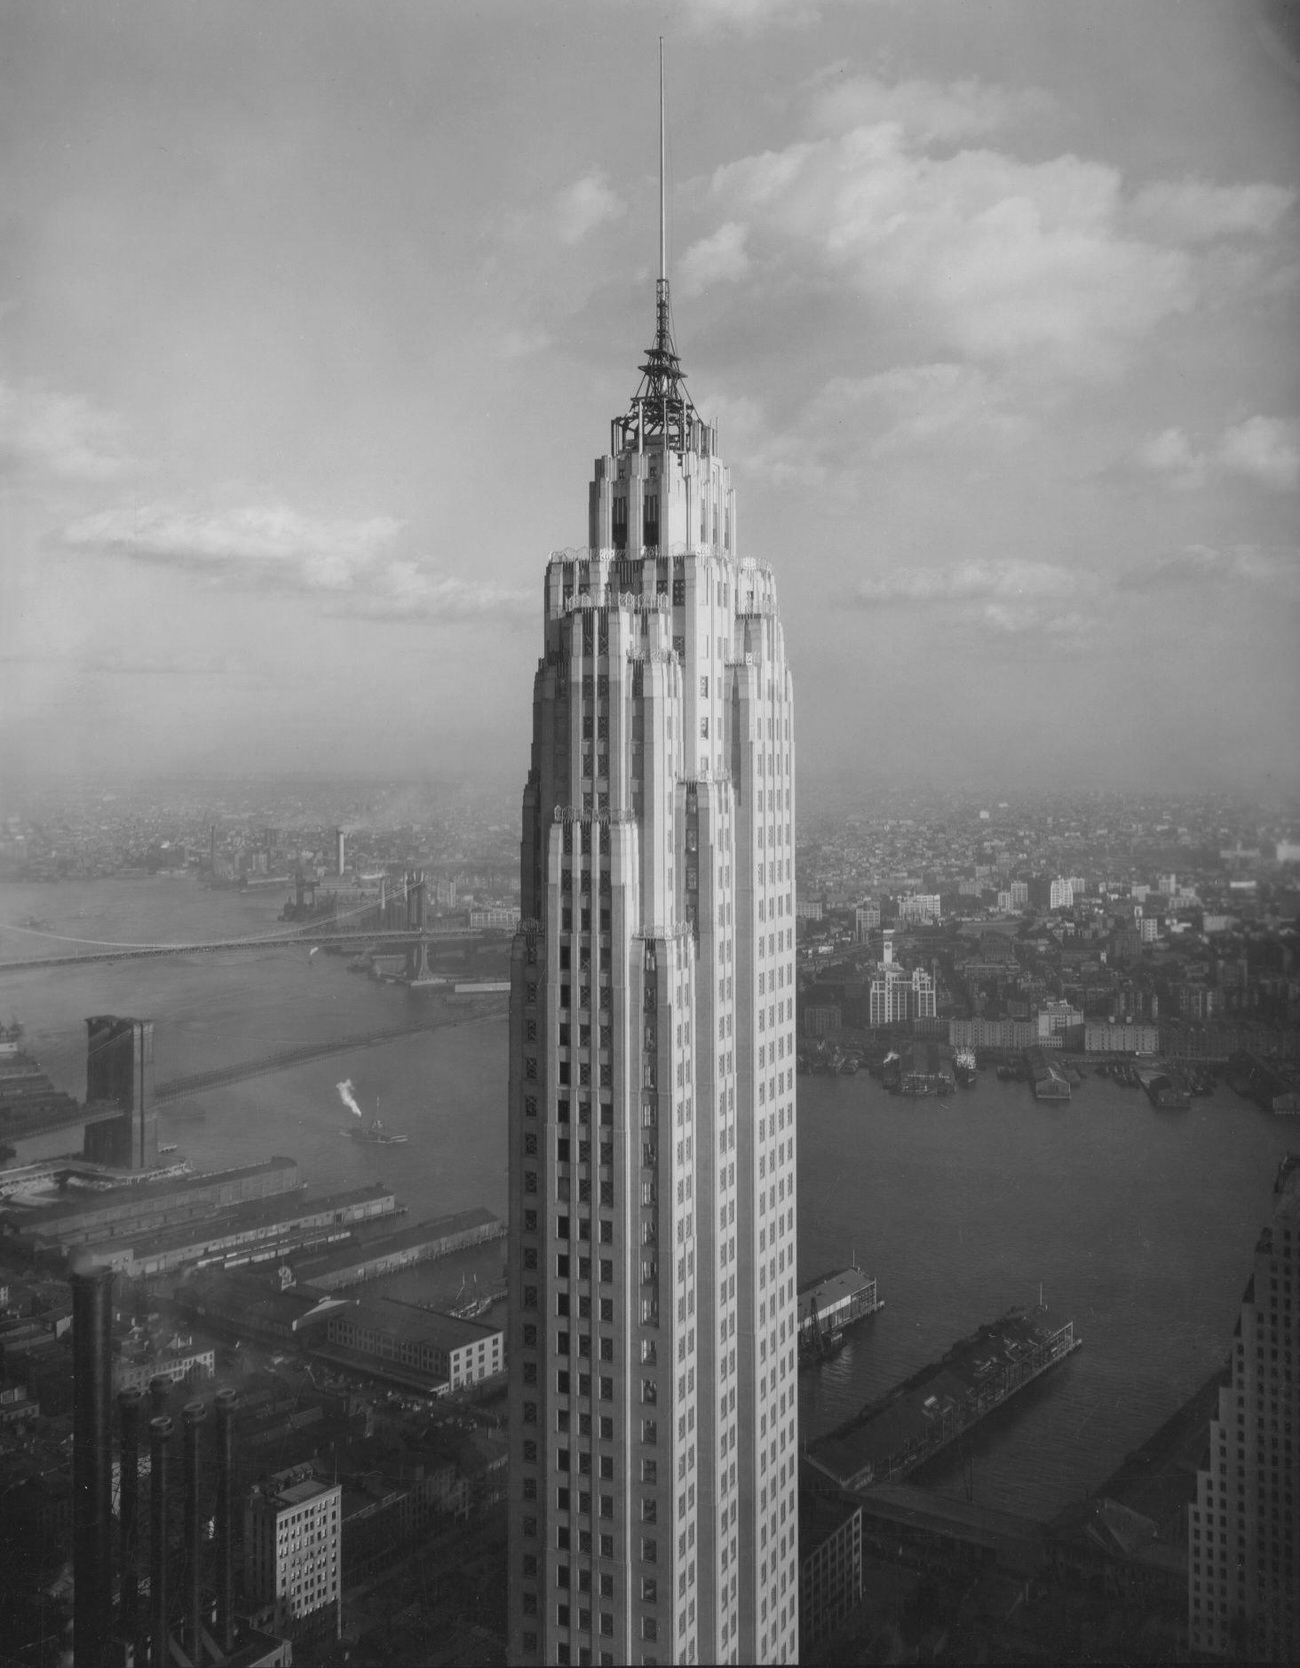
{"points": [[652, 1078], [1243, 1599]]}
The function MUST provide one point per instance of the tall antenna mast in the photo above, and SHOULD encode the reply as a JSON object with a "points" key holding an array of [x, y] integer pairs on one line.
{"points": [[663, 211], [660, 409]]}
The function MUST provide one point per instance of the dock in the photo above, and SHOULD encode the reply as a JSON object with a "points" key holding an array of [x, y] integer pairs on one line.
{"points": [[889, 1438], [1048, 1078], [422, 1242], [829, 1304]]}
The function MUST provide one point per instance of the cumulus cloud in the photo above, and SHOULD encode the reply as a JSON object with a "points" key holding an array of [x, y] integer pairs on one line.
{"points": [[996, 258], [51, 434], [1172, 455], [1195, 211], [1010, 596], [976, 253], [718, 259], [1263, 449], [928, 111], [1007, 583], [276, 548], [913, 411], [587, 203]]}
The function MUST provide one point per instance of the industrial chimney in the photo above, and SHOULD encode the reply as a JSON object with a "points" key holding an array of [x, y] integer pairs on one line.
{"points": [[226, 1400], [193, 1415], [160, 1432], [128, 1404], [92, 1460]]}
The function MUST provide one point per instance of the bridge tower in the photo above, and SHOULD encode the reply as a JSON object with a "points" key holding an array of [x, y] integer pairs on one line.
{"points": [[120, 1068], [417, 955]]}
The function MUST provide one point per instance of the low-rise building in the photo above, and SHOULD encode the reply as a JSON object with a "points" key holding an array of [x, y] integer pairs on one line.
{"points": [[1106, 1038], [445, 1350], [292, 1546]]}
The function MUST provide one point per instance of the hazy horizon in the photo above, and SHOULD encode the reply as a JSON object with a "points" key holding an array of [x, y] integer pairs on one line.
{"points": [[313, 317]]}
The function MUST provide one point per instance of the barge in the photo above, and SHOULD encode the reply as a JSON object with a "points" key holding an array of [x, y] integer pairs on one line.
{"points": [[893, 1436]]}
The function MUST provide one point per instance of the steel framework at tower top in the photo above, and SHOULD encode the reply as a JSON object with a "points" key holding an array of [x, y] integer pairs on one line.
{"points": [[660, 409]]}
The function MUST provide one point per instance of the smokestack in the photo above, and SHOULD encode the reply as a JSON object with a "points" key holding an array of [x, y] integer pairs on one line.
{"points": [[193, 1415], [160, 1389], [128, 1403], [160, 1432], [340, 849], [92, 1461], [226, 1400]]}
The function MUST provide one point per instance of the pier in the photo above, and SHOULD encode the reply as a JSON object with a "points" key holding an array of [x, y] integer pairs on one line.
{"points": [[891, 1437]]}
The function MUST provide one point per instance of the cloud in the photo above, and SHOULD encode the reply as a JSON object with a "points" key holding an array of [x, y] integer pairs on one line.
{"points": [[1193, 211], [1019, 618], [1008, 596], [1243, 567], [277, 548], [927, 111], [913, 411], [49, 434], [994, 258], [916, 407], [718, 259], [409, 588], [587, 203], [259, 544], [1171, 454], [121, 665], [523, 343], [1047, 266], [1263, 449], [1006, 584], [750, 16], [1260, 449]]}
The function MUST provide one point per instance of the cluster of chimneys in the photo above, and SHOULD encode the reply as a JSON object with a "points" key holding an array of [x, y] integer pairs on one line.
{"points": [[96, 1642]]}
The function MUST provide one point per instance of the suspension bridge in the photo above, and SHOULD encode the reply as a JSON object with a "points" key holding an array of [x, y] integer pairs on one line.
{"points": [[320, 935]]}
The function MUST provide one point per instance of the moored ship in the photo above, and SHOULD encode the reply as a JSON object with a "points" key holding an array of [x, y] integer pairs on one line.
{"points": [[963, 1066]]}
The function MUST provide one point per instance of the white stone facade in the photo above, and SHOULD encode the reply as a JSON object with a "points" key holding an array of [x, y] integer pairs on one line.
{"points": [[652, 1347]]}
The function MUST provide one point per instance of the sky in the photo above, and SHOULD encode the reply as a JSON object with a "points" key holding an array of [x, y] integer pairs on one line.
{"points": [[313, 317]]}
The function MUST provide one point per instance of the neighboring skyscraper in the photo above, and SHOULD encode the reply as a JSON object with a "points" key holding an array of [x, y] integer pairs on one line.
{"points": [[652, 1082], [1243, 1599]]}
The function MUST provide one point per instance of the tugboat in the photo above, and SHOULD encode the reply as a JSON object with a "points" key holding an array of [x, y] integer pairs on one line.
{"points": [[469, 1304], [375, 1134]]}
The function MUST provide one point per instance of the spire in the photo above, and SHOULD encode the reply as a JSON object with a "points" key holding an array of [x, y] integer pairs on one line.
{"points": [[661, 409]]}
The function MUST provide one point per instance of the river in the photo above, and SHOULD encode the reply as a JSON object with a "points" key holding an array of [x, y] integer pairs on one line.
{"points": [[1138, 1225]]}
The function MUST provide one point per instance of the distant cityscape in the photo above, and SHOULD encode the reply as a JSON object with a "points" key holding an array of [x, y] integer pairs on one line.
{"points": [[1152, 940]]}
